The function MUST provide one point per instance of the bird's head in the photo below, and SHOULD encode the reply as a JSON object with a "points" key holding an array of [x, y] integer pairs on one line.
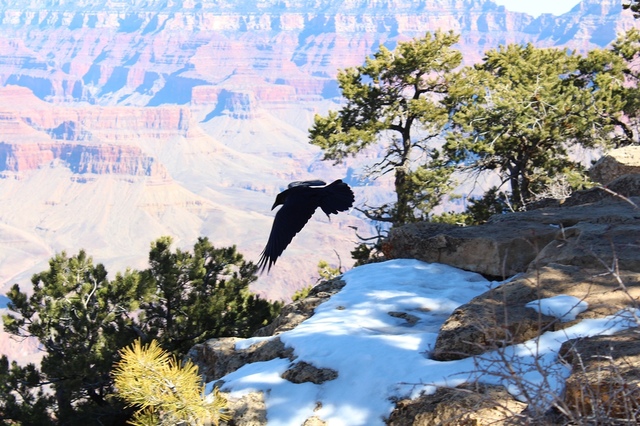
{"points": [[279, 200]]}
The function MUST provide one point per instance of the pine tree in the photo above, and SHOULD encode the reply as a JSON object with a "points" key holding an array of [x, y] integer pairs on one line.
{"points": [[163, 391], [394, 99], [625, 52], [523, 108], [200, 295], [81, 319]]}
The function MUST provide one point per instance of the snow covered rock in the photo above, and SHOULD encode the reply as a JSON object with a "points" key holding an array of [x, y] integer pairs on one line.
{"points": [[408, 342], [218, 357], [507, 315]]}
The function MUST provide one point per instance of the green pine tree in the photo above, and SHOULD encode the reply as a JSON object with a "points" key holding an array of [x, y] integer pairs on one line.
{"points": [[394, 99], [623, 55], [162, 390], [81, 319], [521, 111], [199, 295]]}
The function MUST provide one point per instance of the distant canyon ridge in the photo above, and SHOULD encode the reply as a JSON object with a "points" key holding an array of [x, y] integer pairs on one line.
{"points": [[125, 120], [201, 53]]}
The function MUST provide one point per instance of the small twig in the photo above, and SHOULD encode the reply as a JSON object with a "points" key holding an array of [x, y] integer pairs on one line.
{"points": [[617, 195]]}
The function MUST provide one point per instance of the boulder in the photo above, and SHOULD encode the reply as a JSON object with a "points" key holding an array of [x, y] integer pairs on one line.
{"points": [[494, 249], [576, 234], [616, 163], [621, 188], [302, 372], [218, 357], [473, 405]]}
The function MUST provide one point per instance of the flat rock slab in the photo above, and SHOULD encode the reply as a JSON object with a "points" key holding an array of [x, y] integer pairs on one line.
{"points": [[491, 249], [508, 244]]}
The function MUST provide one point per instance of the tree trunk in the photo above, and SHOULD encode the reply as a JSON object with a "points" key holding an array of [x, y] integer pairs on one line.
{"points": [[402, 208], [403, 212], [63, 398]]}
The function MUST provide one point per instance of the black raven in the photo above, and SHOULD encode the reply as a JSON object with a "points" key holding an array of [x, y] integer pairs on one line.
{"points": [[299, 201]]}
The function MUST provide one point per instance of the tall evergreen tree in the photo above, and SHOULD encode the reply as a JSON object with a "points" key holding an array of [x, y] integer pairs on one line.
{"points": [[394, 99], [521, 110], [81, 319], [200, 295]]}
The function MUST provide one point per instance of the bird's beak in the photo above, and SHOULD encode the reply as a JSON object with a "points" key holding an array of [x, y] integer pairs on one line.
{"points": [[274, 205]]}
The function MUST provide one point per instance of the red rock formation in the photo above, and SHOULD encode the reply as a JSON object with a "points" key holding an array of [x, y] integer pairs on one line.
{"points": [[148, 53], [19, 105], [29, 129], [98, 159]]}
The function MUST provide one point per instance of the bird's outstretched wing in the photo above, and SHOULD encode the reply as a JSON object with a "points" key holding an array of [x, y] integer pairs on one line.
{"points": [[289, 220]]}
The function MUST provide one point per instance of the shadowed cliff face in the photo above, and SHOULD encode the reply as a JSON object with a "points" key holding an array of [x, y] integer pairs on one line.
{"points": [[149, 53]]}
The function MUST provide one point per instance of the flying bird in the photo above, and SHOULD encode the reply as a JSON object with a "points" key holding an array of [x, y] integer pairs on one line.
{"points": [[299, 201]]}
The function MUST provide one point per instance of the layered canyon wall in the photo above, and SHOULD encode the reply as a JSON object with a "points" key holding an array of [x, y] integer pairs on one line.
{"points": [[148, 53]]}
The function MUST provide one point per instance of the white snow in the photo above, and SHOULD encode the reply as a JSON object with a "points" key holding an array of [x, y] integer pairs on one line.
{"points": [[565, 308], [380, 357]]}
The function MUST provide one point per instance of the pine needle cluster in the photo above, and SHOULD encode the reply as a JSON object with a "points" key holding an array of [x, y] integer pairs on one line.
{"points": [[164, 391]]}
